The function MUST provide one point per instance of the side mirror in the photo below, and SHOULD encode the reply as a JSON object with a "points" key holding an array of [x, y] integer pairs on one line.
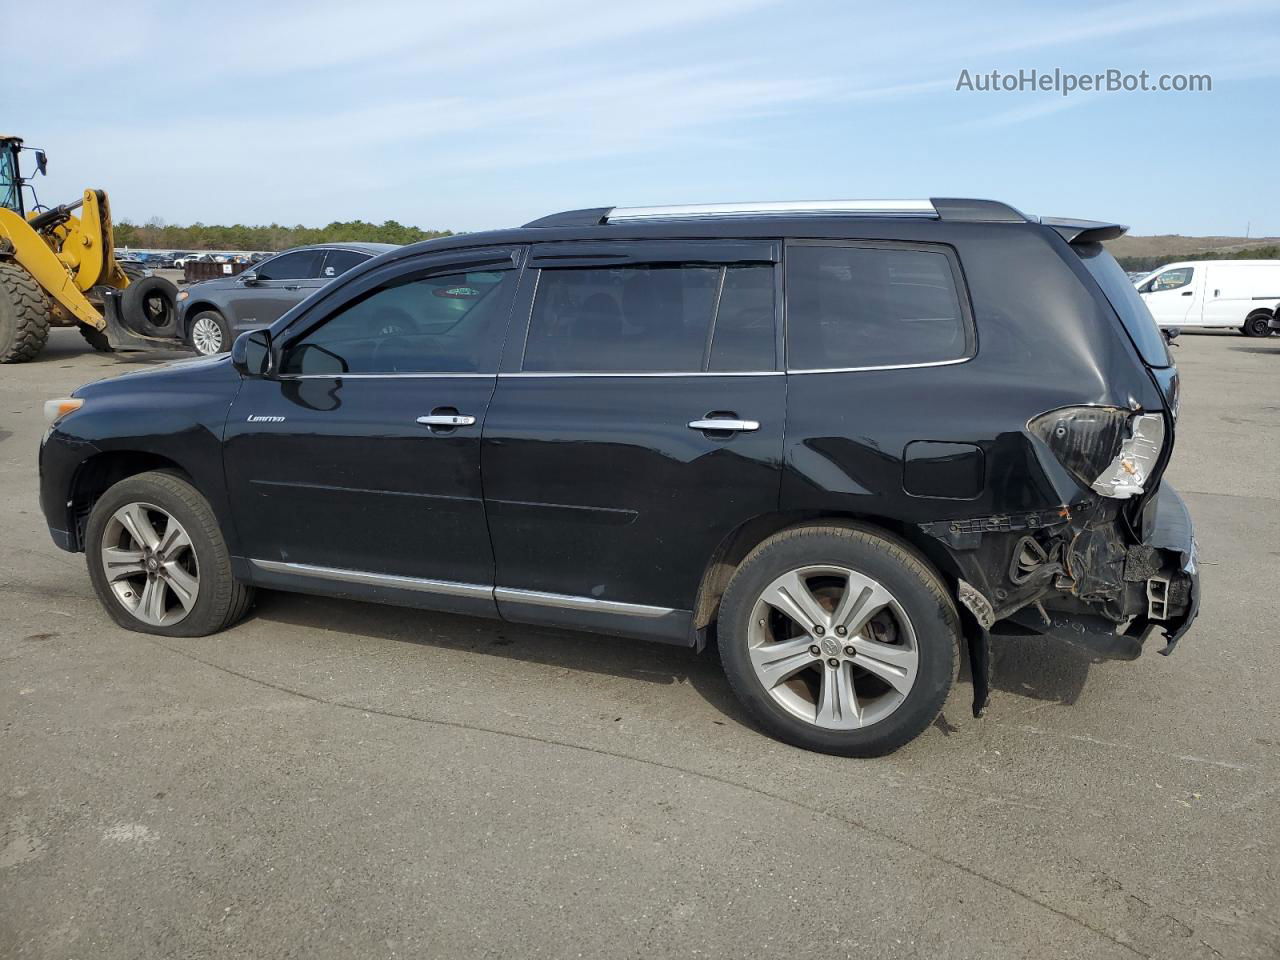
{"points": [[251, 353], [249, 279], [42, 162], [1170, 333]]}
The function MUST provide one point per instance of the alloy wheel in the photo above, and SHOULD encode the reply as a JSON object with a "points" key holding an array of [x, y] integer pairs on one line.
{"points": [[206, 336], [150, 564], [833, 647]]}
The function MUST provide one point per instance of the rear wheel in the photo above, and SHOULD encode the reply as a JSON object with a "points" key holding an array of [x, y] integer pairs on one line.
{"points": [[208, 333], [158, 561], [839, 639], [24, 315], [1257, 324]]}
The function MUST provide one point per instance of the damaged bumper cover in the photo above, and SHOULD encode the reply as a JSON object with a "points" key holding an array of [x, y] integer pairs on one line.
{"points": [[1075, 574], [1172, 533]]}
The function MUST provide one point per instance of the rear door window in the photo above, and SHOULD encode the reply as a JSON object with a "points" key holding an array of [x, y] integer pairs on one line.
{"points": [[853, 306], [653, 318], [338, 262], [743, 338]]}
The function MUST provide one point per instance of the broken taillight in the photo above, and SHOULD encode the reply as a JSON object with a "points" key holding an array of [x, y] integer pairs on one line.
{"points": [[1110, 450]]}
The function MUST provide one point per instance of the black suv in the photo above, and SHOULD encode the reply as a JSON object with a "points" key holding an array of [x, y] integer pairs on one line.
{"points": [[846, 440], [213, 312]]}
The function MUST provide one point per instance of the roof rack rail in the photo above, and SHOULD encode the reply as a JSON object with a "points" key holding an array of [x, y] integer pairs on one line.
{"points": [[936, 209], [795, 208]]}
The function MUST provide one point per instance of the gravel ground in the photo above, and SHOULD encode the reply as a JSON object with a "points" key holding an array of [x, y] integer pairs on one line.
{"points": [[335, 779]]}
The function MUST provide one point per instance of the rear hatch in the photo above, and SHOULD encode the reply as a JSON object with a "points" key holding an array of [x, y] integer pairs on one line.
{"points": [[1085, 237]]}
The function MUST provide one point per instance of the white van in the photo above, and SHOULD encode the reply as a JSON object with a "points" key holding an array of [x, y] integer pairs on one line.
{"points": [[1242, 294]]}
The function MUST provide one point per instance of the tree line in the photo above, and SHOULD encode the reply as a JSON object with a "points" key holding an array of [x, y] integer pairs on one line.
{"points": [[155, 234], [1147, 264]]}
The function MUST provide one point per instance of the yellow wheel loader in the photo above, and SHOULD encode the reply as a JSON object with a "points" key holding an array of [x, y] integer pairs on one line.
{"points": [[58, 269]]}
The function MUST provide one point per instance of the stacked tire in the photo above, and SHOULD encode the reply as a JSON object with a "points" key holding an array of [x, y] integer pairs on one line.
{"points": [[149, 305]]}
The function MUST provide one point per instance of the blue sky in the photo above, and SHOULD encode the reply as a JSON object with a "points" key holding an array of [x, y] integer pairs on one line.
{"points": [[492, 112]]}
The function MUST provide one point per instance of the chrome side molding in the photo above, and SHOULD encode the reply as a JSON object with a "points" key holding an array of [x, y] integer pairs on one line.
{"points": [[449, 588], [453, 588], [571, 602]]}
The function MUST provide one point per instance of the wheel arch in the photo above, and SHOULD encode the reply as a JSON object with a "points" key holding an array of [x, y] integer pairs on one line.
{"points": [[735, 547], [100, 472]]}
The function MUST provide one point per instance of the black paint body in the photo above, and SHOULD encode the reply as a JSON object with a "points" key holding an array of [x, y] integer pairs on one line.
{"points": [[591, 491]]}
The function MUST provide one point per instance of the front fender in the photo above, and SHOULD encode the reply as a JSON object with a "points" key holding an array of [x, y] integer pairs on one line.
{"points": [[170, 417]]}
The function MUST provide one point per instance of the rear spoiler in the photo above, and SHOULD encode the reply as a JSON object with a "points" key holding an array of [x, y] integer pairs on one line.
{"points": [[1085, 231]]}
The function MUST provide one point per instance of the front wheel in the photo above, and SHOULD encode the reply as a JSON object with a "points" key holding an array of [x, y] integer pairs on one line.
{"points": [[208, 333], [1257, 325], [839, 639], [157, 559], [24, 315]]}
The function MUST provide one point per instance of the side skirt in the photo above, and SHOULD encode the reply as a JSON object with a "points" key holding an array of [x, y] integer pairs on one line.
{"points": [[566, 611]]}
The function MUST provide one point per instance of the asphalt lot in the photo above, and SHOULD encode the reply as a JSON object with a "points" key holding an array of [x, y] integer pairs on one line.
{"points": [[334, 779]]}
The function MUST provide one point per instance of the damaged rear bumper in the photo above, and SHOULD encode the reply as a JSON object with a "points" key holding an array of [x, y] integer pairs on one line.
{"points": [[1172, 533], [1077, 575]]}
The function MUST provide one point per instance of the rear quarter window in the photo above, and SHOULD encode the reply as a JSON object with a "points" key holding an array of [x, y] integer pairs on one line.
{"points": [[852, 306]]}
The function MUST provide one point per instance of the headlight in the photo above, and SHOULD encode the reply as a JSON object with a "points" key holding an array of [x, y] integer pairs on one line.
{"points": [[1110, 450], [55, 410], [182, 295]]}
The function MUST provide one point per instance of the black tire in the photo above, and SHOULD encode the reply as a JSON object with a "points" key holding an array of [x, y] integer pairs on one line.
{"points": [[900, 569], [1257, 324], [24, 315], [149, 307], [218, 320], [95, 338], [221, 599]]}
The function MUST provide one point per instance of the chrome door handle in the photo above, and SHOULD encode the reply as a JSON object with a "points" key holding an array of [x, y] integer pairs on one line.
{"points": [[447, 420], [725, 424]]}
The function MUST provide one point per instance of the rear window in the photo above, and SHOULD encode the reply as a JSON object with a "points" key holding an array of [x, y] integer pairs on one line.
{"points": [[851, 306], [1126, 302]]}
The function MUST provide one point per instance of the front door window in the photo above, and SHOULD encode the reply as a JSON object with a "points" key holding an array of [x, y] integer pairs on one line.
{"points": [[443, 323]]}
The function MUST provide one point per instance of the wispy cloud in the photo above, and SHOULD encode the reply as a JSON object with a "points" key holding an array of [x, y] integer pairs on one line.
{"points": [[1044, 105], [452, 113]]}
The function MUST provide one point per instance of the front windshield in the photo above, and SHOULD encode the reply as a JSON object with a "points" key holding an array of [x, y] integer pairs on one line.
{"points": [[10, 187]]}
